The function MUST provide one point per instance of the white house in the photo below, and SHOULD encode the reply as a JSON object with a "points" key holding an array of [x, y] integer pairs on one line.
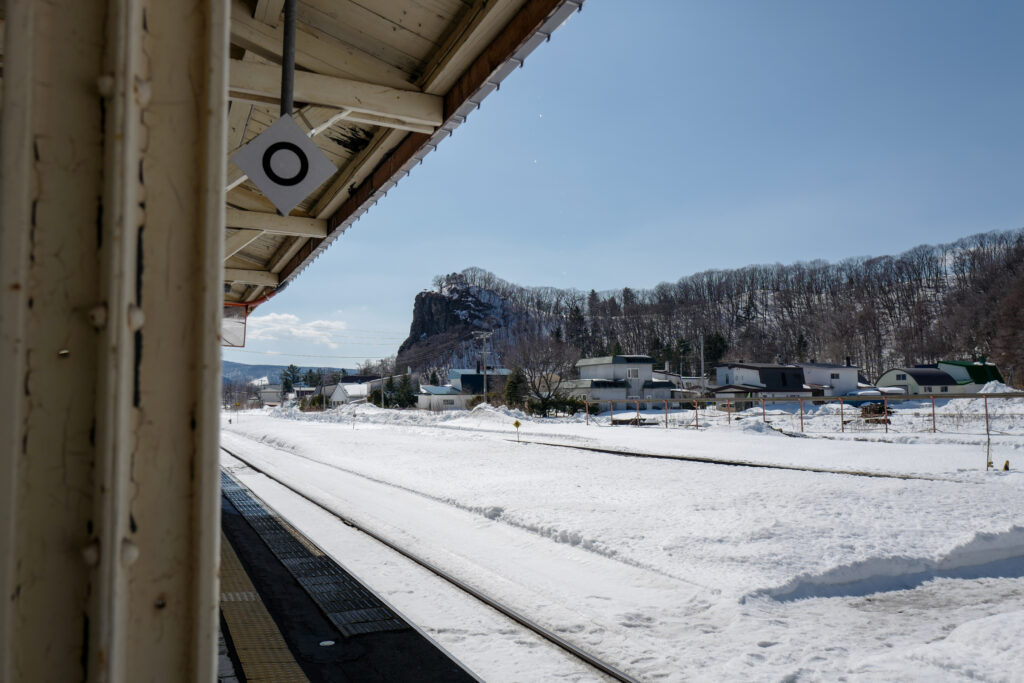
{"points": [[769, 380], [829, 379], [352, 392], [618, 378]]}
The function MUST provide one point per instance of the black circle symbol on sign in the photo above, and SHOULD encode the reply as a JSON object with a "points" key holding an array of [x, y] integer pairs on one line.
{"points": [[294, 149]]}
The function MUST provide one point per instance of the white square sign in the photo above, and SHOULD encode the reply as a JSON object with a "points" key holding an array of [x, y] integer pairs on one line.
{"points": [[284, 163]]}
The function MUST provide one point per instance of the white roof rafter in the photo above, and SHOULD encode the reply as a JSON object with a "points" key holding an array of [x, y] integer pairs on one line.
{"points": [[262, 83]]}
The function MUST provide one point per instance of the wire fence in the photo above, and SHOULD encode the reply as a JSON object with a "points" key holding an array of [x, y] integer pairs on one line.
{"points": [[967, 414]]}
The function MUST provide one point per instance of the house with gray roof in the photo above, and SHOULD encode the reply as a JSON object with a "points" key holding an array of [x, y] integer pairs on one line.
{"points": [[830, 379], [628, 378], [756, 380]]}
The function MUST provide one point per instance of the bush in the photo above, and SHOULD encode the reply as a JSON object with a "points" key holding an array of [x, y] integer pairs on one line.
{"points": [[312, 403], [569, 405]]}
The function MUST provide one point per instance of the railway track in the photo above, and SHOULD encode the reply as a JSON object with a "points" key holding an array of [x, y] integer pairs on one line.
{"points": [[742, 463], [545, 634]]}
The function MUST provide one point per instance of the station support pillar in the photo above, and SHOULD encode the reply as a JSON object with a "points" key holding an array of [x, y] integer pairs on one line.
{"points": [[112, 167]]}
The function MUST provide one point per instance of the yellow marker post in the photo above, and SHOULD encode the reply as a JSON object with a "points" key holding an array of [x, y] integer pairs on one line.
{"points": [[516, 425]]}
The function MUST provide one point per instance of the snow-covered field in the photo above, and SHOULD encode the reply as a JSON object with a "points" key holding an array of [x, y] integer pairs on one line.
{"points": [[670, 570]]}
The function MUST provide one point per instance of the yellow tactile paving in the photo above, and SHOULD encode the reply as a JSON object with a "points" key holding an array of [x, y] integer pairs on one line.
{"points": [[261, 649]]}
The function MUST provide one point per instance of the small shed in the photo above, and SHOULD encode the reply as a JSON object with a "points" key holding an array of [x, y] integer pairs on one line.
{"points": [[441, 398]]}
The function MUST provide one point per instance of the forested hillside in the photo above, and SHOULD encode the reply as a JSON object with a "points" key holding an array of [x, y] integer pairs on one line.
{"points": [[958, 300]]}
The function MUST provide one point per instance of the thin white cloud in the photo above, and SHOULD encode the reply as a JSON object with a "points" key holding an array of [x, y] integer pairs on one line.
{"points": [[286, 326]]}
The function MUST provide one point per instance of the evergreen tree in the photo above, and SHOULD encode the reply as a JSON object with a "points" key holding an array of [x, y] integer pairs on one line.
{"points": [[715, 347], [434, 379], [405, 396], [576, 328], [289, 376], [628, 298], [389, 391], [515, 389]]}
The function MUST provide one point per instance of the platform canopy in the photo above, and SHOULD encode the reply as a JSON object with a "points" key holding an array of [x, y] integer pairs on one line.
{"points": [[378, 86]]}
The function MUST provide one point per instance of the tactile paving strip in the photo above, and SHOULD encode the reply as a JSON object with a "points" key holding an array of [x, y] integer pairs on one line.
{"points": [[261, 649], [347, 603]]}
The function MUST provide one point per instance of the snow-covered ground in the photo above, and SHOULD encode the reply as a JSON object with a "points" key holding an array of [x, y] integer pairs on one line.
{"points": [[670, 570]]}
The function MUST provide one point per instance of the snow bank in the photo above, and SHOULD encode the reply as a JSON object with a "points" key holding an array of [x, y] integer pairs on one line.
{"points": [[758, 426], [987, 555], [367, 413], [994, 387]]}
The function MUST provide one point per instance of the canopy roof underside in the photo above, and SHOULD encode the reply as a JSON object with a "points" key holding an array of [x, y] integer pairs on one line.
{"points": [[378, 85]]}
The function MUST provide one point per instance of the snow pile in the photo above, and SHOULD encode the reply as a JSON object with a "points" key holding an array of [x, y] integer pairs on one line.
{"points": [[995, 387], [501, 414], [757, 426], [985, 649], [986, 555]]}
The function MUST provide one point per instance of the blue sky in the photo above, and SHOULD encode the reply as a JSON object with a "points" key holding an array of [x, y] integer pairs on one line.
{"points": [[650, 140]]}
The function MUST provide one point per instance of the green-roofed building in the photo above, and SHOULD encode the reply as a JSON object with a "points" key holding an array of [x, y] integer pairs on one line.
{"points": [[971, 372]]}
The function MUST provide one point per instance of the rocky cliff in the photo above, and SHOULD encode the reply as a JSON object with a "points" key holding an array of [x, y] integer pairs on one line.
{"points": [[443, 323]]}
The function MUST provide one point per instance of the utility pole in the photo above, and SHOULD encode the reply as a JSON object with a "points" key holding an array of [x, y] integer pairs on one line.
{"points": [[703, 386], [483, 337]]}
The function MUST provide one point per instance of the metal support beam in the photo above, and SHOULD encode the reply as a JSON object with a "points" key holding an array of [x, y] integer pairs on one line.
{"points": [[109, 532]]}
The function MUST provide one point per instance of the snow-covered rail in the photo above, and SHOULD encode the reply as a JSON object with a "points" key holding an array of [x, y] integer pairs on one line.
{"points": [[522, 620], [743, 463]]}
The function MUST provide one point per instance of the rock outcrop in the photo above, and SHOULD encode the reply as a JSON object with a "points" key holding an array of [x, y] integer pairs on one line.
{"points": [[443, 323]]}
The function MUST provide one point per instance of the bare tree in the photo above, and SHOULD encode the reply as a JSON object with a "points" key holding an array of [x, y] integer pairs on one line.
{"points": [[546, 363]]}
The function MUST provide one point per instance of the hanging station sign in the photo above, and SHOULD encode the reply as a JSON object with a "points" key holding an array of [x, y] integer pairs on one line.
{"points": [[284, 164]]}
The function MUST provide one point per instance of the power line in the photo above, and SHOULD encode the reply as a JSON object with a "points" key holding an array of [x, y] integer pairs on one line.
{"points": [[284, 354]]}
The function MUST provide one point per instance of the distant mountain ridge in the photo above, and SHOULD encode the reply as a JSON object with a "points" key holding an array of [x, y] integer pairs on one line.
{"points": [[241, 372], [960, 300]]}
